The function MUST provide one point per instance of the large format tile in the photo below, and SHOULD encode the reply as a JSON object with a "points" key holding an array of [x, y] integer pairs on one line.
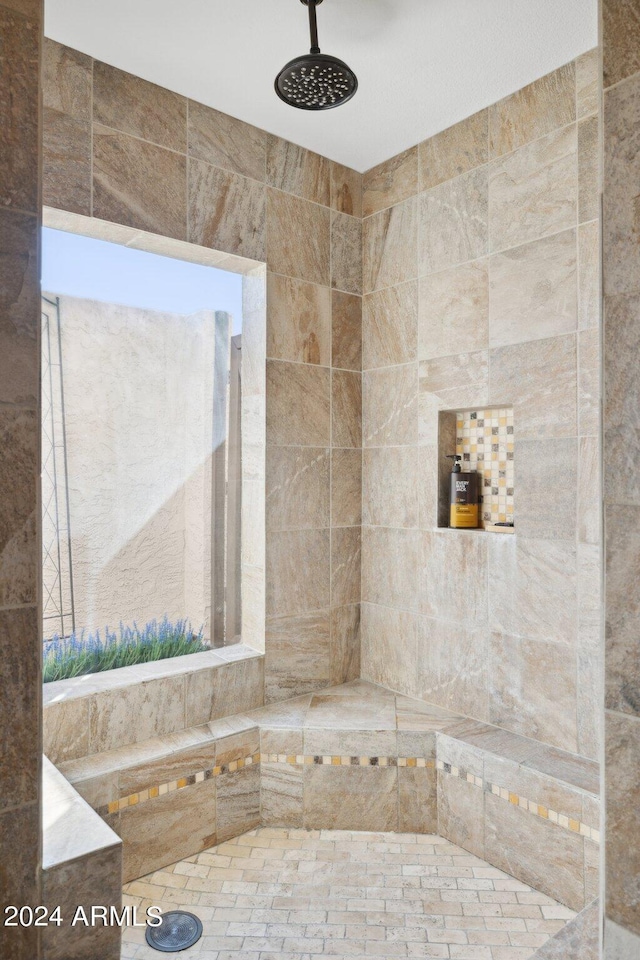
{"points": [[345, 566], [533, 689], [522, 306], [589, 388], [390, 486], [454, 222], [390, 182], [454, 310], [389, 646], [19, 441], [298, 489], [588, 170], [461, 813], [587, 83], [453, 577], [142, 109], [589, 486], [417, 799], [139, 184], [622, 819], [298, 321], [19, 78], [346, 253], [591, 652], [226, 211], [21, 885], [622, 610], [535, 110], [533, 191], [334, 797], [291, 555], [346, 331], [621, 243], [459, 382], [346, 408], [158, 705], [237, 802], [226, 142], [619, 942], [455, 150], [66, 80], [620, 40], [390, 326], [540, 380], [346, 190], [298, 655], [298, 404], [281, 790], [346, 487], [390, 566], [589, 306], [223, 691], [390, 406], [547, 478], [533, 588], [19, 773], [19, 309], [390, 247], [621, 399], [295, 170], [345, 643], [298, 238], [65, 729], [66, 162], [453, 666]]}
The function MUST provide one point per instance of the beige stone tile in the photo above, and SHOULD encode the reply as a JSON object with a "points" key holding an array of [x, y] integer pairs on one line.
{"points": [[290, 556], [298, 404], [390, 182], [334, 797], [533, 689], [588, 83], [620, 40], [619, 942], [19, 439], [540, 380], [345, 643], [428, 487], [158, 706], [99, 791], [298, 490], [533, 191], [239, 745], [66, 162], [621, 484], [19, 776], [455, 150], [346, 408], [589, 307], [346, 488], [19, 78], [223, 691], [546, 482], [346, 190], [65, 729], [461, 813], [164, 769], [591, 871], [390, 406], [622, 526], [20, 832], [390, 566], [176, 825], [457, 382], [453, 577], [389, 646], [66, 80], [226, 142], [357, 737], [621, 218], [390, 326], [588, 170], [621, 751], [298, 654], [298, 321], [19, 309], [533, 588], [390, 486], [281, 793], [453, 222], [532, 112], [535, 851], [295, 170], [138, 184], [390, 246], [454, 311], [298, 238], [590, 650], [453, 666], [127, 103], [346, 326], [226, 211], [237, 802], [346, 253], [521, 306], [589, 521], [345, 566]]}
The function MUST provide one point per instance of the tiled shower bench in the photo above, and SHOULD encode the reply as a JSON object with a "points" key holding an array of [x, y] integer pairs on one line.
{"points": [[356, 756]]}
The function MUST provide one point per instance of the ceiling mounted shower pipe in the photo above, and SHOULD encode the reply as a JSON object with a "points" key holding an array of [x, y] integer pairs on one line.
{"points": [[315, 81]]}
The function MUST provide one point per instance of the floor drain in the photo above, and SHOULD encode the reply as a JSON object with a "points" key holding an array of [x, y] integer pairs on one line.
{"points": [[179, 930]]}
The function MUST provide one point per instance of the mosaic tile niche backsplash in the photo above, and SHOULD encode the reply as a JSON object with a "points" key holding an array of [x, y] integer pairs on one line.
{"points": [[484, 440]]}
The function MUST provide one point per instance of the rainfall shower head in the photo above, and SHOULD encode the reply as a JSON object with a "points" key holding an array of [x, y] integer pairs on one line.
{"points": [[315, 81]]}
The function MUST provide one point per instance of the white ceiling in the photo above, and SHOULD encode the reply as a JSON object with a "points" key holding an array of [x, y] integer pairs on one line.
{"points": [[422, 65]]}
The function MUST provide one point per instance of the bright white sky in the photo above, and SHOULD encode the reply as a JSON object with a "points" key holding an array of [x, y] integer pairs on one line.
{"points": [[98, 270]]}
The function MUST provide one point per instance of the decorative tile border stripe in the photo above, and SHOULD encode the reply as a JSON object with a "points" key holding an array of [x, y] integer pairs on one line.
{"points": [[537, 809], [343, 761], [160, 789]]}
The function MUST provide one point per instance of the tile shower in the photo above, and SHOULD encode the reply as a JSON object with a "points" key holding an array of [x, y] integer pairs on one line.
{"points": [[358, 371]]}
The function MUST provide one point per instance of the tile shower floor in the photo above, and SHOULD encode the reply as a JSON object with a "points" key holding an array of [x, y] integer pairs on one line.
{"points": [[280, 894]]}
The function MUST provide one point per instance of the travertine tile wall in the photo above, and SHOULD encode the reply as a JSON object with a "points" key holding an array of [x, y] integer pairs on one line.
{"points": [[20, 702], [481, 288], [621, 288], [121, 149]]}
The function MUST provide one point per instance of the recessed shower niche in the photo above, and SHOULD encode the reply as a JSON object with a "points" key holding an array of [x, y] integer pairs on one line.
{"points": [[483, 439]]}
